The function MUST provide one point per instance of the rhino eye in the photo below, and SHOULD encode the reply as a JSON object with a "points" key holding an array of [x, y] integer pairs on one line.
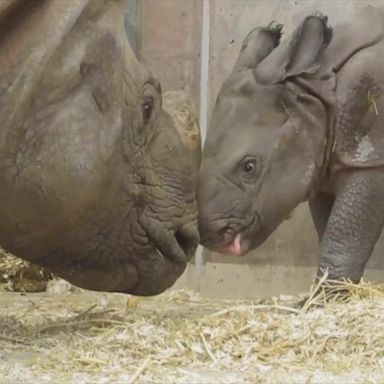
{"points": [[249, 167], [147, 109]]}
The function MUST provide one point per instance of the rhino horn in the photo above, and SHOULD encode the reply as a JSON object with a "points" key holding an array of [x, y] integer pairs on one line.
{"points": [[298, 54], [257, 45], [180, 107]]}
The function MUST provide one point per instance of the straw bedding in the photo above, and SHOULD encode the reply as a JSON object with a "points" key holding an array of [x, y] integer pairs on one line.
{"points": [[21, 276], [69, 335]]}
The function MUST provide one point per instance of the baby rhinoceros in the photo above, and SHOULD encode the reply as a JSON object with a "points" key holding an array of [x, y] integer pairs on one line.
{"points": [[300, 120]]}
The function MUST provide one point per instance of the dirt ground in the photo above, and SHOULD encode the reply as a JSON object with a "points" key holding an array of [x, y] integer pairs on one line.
{"points": [[68, 335]]}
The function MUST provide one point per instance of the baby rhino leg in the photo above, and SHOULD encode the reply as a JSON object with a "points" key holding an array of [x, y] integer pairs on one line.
{"points": [[354, 225]]}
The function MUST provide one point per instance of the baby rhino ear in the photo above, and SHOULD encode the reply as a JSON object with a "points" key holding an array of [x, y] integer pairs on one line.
{"points": [[257, 45], [298, 54]]}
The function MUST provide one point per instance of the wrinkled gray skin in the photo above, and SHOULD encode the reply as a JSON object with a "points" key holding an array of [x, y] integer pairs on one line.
{"points": [[300, 120], [97, 183]]}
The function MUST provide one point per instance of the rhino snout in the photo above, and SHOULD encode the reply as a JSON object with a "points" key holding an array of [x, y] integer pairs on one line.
{"points": [[188, 239], [177, 246], [213, 231]]}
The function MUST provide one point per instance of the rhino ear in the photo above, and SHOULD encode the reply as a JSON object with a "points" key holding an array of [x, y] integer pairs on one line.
{"points": [[298, 54], [257, 45]]}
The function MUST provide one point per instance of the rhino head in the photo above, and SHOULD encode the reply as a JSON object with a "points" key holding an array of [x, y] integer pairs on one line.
{"points": [[98, 169], [265, 144]]}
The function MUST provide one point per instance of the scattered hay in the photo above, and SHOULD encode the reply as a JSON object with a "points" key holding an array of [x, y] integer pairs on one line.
{"points": [[179, 337], [325, 291], [21, 276]]}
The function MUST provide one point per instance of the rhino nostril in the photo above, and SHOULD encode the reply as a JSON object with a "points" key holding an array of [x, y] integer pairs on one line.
{"points": [[214, 232], [188, 239], [224, 231], [215, 227]]}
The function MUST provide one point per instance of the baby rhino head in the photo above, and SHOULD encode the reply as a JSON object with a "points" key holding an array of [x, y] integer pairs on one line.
{"points": [[265, 141]]}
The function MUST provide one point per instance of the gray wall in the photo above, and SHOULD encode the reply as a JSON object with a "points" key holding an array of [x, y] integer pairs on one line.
{"points": [[170, 42]]}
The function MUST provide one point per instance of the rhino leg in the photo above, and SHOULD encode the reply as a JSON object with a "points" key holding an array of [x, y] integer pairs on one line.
{"points": [[354, 225], [320, 207]]}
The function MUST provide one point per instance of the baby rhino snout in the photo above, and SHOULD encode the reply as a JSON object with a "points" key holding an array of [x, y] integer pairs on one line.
{"points": [[216, 235]]}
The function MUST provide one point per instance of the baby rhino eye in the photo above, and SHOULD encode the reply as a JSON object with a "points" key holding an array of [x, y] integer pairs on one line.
{"points": [[249, 167], [250, 170]]}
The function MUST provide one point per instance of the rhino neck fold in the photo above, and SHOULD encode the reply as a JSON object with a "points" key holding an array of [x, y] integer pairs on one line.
{"points": [[36, 35]]}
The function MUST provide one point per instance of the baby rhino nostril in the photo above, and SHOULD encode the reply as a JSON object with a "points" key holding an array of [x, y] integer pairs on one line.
{"points": [[214, 232], [213, 227], [188, 239], [224, 231]]}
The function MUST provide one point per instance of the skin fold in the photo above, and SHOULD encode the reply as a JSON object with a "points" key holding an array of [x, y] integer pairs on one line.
{"points": [[97, 178], [300, 119]]}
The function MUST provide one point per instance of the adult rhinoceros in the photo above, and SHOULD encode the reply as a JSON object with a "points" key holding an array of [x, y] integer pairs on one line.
{"points": [[300, 120], [97, 183]]}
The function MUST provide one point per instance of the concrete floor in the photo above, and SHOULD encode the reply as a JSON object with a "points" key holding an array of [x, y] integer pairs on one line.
{"points": [[233, 281]]}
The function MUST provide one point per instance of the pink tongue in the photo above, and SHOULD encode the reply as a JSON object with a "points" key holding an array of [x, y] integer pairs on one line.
{"points": [[234, 248]]}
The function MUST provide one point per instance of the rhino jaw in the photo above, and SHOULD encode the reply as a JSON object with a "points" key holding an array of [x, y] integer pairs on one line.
{"points": [[149, 275]]}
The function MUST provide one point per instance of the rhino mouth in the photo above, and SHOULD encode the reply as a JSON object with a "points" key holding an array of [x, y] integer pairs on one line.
{"points": [[235, 241], [173, 250], [177, 247]]}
